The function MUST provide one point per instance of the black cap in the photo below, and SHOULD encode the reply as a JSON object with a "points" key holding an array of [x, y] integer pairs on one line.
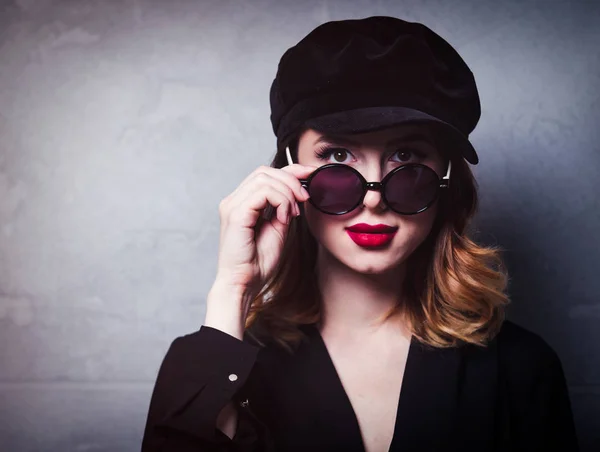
{"points": [[354, 76]]}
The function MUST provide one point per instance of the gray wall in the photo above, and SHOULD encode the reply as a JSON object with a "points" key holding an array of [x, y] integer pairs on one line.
{"points": [[124, 122]]}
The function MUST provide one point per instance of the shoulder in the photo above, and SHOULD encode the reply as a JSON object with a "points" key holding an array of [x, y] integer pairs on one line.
{"points": [[521, 344], [534, 391], [524, 356]]}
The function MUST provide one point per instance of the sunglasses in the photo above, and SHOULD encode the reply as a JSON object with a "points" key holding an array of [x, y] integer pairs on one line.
{"points": [[336, 189]]}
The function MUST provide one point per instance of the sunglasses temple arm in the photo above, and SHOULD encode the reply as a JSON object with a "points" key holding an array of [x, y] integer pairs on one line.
{"points": [[291, 162], [446, 178]]}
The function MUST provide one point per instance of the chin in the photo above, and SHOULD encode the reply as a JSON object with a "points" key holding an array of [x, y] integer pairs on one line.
{"points": [[379, 262], [373, 268], [367, 261]]}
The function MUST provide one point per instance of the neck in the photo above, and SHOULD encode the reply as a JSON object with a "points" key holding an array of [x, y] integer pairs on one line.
{"points": [[356, 302]]}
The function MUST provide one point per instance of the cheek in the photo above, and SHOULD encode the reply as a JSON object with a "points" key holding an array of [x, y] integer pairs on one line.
{"points": [[414, 229], [322, 225]]}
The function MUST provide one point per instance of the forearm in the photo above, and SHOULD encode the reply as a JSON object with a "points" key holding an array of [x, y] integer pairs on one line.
{"points": [[226, 309]]}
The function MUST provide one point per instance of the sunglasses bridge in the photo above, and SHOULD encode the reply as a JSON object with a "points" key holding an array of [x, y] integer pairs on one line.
{"points": [[376, 186]]}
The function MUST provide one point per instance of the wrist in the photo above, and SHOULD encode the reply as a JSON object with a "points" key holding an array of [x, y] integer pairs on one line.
{"points": [[225, 310]]}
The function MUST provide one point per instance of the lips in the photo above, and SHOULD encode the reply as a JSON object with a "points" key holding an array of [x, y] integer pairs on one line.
{"points": [[364, 228], [368, 236]]}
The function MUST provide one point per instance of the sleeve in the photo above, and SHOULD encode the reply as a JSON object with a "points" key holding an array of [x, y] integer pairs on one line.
{"points": [[200, 373]]}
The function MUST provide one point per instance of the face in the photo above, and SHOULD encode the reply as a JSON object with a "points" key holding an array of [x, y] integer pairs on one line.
{"points": [[373, 154]]}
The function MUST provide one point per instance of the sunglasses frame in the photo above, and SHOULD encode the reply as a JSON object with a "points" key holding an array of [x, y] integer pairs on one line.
{"points": [[444, 182]]}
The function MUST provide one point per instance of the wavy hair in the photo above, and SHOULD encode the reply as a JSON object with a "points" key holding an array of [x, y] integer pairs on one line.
{"points": [[454, 289]]}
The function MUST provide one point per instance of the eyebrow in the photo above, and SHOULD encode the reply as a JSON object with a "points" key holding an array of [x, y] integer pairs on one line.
{"points": [[411, 137]]}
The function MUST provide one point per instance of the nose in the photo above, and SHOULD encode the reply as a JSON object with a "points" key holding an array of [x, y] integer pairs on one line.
{"points": [[373, 198]]}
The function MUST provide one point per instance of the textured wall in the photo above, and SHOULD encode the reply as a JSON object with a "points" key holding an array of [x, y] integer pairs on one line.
{"points": [[124, 122]]}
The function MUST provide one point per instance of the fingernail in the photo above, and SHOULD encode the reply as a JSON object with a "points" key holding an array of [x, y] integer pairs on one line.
{"points": [[304, 192]]}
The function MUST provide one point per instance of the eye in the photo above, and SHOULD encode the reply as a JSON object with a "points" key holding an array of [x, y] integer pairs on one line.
{"points": [[339, 154], [405, 155]]}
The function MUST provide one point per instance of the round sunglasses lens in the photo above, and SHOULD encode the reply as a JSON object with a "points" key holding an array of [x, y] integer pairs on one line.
{"points": [[412, 188], [335, 189]]}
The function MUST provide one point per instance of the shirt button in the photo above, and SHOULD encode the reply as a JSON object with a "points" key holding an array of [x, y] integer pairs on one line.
{"points": [[233, 377]]}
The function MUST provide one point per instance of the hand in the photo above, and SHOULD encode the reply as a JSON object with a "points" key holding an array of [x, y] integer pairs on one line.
{"points": [[249, 252]]}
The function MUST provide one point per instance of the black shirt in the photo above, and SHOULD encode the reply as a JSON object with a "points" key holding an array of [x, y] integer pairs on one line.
{"points": [[508, 396]]}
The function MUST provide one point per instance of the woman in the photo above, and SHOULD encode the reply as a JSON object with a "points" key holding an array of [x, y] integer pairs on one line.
{"points": [[350, 309]]}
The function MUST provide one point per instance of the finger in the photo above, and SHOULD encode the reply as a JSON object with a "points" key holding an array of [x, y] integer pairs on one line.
{"points": [[246, 209], [284, 182], [291, 175], [264, 179], [239, 198]]}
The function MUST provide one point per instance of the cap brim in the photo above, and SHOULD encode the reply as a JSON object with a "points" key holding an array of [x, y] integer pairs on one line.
{"points": [[371, 119]]}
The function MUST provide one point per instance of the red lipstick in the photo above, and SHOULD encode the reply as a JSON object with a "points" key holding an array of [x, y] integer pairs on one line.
{"points": [[368, 235]]}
